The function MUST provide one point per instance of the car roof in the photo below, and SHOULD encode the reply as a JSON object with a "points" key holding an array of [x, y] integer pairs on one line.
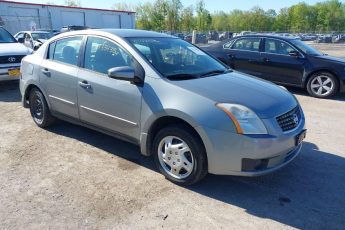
{"points": [[36, 31], [267, 36], [124, 33]]}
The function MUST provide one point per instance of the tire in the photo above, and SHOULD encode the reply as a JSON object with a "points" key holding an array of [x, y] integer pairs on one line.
{"points": [[323, 85], [185, 154], [39, 109]]}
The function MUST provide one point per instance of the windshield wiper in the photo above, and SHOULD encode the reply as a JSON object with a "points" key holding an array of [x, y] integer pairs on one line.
{"points": [[182, 76], [215, 72]]}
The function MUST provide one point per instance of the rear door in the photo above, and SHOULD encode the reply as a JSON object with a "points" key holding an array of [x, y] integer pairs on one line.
{"points": [[244, 55], [278, 66], [105, 102], [59, 75]]}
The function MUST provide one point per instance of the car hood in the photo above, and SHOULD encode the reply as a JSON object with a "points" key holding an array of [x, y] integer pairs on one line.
{"points": [[13, 49], [266, 99], [331, 59]]}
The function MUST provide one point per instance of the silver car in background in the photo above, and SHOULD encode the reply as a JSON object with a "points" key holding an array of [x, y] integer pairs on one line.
{"points": [[188, 110]]}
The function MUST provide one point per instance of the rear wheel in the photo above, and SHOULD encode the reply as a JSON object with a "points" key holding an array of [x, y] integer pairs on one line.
{"points": [[179, 155], [39, 109], [322, 85]]}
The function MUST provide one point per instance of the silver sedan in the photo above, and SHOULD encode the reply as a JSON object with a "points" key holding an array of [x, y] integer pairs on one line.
{"points": [[189, 111]]}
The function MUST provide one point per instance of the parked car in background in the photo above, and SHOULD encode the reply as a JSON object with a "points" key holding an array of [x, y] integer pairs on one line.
{"points": [[179, 35], [339, 38], [308, 37], [73, 28], [184, 107], [324, 38], [225, 35], [283, 60], [213, 36], [11, 54], [33, 39]]}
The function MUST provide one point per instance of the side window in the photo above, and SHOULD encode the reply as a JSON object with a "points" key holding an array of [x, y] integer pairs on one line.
{"points": [[102, 54], [277, 47], [247, 44], [20, 35], [228, 45], [65, 50]]}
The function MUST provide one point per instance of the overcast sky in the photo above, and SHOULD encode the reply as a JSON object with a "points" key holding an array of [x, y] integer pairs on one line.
{"points": [[211, 5]]}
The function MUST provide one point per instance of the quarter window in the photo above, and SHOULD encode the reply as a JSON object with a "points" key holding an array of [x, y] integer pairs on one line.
{"points": [[277, 47], [20, 35], [65, 50], [102, 55], [228, 45], [248, 44]]}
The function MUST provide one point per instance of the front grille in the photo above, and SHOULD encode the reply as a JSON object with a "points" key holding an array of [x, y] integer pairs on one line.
{"points": [[11, 59], [289, 120]]}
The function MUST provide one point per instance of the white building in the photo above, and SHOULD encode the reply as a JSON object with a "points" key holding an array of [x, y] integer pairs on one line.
{"points": [[17, 16]]}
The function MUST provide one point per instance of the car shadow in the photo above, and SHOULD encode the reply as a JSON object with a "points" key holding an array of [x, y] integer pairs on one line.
{"points": [[303, 92], [306, 194], [9, 91], [105, 142]]}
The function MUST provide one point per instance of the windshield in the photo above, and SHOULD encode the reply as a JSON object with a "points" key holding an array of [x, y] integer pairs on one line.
{"points": [[305, 48], [45, 36], [175, 58], [6, 37]]}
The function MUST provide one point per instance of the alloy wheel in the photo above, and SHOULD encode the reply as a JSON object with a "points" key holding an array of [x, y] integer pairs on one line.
{"points": [[322, 85]]}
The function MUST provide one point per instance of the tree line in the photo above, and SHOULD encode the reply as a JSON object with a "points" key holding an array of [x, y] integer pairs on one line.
{"points": [[171, 15]]}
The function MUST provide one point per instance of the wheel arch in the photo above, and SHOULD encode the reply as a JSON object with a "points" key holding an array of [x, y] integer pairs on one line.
{"points": [[165, 121], [27, 94], [305, 82]]}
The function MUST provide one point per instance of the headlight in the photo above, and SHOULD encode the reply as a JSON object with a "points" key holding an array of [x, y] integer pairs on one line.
{"points": [[245, 120]]}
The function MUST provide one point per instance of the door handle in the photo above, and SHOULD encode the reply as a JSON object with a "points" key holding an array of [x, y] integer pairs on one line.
{"points": [[266, 60], [46, 72], [84, 84], [231, 56]]}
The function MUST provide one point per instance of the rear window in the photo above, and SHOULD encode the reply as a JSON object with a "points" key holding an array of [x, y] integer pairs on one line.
{"points": [[247, 44], [65, 50]]}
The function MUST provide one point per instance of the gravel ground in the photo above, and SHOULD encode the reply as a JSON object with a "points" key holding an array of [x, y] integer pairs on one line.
{"points": [[69, 177]]}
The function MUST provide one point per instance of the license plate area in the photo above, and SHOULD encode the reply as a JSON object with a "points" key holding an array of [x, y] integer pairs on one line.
{"points": [[300, 137], [14, 72]]}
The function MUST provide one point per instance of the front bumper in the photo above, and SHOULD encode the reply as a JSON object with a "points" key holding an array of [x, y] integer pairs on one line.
{"points": [[250, 155]]}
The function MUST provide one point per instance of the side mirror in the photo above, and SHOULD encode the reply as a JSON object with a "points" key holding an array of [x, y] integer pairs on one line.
{"points": [[124, 73], [20, 40], [294, 53]]}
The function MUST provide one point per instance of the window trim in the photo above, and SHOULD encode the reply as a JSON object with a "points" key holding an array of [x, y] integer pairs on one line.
{"points": [[281, 40]]}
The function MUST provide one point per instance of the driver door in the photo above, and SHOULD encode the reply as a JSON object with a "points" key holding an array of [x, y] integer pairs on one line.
{"points": [[104, 102]]}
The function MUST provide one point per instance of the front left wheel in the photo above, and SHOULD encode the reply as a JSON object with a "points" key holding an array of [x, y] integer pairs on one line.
{"points": [[39, 109], [179, 155]]}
